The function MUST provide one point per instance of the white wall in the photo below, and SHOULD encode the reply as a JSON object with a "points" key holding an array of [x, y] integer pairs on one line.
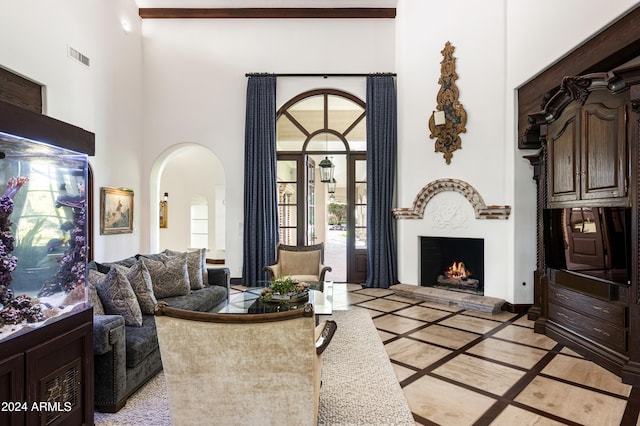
{"points": [[478, 37], [195, 84], [103, 98]]}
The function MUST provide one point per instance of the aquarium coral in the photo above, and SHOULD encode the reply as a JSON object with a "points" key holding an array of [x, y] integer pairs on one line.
{"points": [[73, 262], [21, 308]]}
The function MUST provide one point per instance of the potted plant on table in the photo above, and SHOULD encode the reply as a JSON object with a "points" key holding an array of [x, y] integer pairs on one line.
{"points": [[285, 289]]}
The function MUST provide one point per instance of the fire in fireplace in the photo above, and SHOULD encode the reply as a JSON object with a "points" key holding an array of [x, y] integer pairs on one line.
{"points": [[458, 276], [452, 263]]}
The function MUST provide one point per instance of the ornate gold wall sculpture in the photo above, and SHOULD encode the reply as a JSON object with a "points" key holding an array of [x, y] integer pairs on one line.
{"points": [[448, 135]]}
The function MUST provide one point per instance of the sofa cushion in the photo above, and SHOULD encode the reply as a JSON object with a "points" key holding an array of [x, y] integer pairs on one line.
{"points": [[201, 300], [128, 262], [205, 271], [94, 300], [140, 279], [194, 266], [170, 276], [141, 341], [118, 297]]}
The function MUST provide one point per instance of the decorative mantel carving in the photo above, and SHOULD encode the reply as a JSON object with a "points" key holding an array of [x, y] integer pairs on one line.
{"points": [[482, 211]]}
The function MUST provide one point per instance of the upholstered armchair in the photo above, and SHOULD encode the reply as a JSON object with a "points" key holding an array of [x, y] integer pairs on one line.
{"points": [[242, 369], [302, 263]]}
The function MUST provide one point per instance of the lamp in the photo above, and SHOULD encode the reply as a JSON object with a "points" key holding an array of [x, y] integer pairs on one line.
{"points": [[164, 210], [326, 170], [331, 186]]}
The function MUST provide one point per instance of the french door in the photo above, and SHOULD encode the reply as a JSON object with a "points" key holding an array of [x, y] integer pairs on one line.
{"points": [[357, 219], [304, 206]]}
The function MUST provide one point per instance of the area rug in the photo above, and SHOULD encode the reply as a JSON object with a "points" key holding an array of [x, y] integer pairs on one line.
{"points": [[359, 386]]}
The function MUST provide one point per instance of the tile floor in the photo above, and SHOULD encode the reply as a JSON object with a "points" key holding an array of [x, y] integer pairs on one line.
{"points": [[458, 367]]}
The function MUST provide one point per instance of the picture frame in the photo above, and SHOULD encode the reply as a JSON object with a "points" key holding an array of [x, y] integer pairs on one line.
{"points": [[164, 220], [116, 211], [164, 211]]}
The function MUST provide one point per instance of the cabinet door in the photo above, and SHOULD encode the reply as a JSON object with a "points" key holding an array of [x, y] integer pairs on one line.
{"points": [[12, 389], [563, 145], [603, 152]]}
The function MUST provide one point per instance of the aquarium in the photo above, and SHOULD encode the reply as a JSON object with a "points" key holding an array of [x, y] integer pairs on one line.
{"points": [[43, 234]]}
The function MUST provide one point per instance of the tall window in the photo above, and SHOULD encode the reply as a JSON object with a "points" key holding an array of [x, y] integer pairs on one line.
{"points": [[314, 125], [199, 223]]}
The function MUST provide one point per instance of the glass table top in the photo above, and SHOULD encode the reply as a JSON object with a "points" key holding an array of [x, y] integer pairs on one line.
{"points": [[248, 302]]}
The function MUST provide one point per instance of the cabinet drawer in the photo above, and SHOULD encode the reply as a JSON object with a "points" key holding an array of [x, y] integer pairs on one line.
{"points": [[589, 306], [600, 331]]}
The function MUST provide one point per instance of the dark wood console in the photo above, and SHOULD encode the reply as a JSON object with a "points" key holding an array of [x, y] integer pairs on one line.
{"points": [[46, 375], [587, 294]]}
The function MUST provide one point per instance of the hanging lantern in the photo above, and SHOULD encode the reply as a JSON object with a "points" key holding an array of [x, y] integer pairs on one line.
{"points": [[326, 170], [331, 186]]}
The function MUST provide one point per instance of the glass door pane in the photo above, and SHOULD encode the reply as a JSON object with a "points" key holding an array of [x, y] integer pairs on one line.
{"points": [[360, 204], [357, 226], [311, 201], [287, 200]]}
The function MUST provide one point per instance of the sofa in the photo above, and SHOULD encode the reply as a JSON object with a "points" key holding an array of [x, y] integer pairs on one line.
{"points": [[124, 295], [280, 354]]}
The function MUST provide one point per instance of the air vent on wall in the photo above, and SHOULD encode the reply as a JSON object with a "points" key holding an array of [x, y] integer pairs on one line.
{"points": [[74, 54]]}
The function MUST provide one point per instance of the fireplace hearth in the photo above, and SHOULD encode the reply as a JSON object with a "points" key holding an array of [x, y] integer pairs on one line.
{"points": [[452, 264]]}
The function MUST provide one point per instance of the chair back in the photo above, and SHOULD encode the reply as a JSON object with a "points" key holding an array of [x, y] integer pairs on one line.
{"points": [[300, 260], [240, 368]]}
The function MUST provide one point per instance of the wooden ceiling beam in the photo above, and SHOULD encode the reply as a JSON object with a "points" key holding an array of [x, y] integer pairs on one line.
{"points": [[268, 13]]}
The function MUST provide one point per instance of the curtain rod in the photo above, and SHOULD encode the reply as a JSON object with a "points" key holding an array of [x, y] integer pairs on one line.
{"points": [[256, 74]]}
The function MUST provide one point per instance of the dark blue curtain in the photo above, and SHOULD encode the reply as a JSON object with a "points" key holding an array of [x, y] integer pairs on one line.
{"points": [[382, 263], [260, 198]]}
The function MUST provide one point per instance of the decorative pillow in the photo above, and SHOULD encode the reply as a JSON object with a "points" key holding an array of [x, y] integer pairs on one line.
{"points": [[140, 280], [118, 297], [205, 273], [194, 266], [94, 300], [170, 277]]}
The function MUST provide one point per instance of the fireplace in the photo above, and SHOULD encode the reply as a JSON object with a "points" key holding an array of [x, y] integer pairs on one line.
{"points": [[452, 263]]}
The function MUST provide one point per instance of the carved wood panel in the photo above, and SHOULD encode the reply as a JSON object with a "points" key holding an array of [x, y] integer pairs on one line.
{"points": [[603, 152], [563, 149]]}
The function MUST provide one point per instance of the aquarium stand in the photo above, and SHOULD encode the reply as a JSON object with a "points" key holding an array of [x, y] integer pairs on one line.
{"points": [[46, 374]]}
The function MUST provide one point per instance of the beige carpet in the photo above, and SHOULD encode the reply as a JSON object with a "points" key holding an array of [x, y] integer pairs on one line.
{"points": [[359, 386]]}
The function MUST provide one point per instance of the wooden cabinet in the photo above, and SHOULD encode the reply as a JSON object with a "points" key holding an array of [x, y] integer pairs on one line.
{"points": [[587, 291], [593, 309], [46, 375], [587, 151]]}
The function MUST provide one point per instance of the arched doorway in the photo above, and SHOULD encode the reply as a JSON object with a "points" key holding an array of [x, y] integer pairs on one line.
{"points": [[318, 128], [193, 177]]}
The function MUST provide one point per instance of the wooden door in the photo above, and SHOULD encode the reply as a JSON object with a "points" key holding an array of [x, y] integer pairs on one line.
{"points": [[604, 153], [585, 243], [563, 150]]}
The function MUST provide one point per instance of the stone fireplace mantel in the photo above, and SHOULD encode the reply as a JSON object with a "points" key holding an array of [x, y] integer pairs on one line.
{"points": [[482, 211]]}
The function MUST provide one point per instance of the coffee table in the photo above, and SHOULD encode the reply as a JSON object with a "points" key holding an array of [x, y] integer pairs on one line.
{"points": [[248, 302]]}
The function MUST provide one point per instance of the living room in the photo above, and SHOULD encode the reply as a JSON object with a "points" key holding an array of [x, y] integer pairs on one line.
{"points": [[154, 85], [135, 94]]}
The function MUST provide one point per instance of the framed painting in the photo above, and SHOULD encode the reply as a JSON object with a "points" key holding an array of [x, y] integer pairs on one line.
{"points": [[116, 211]]}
